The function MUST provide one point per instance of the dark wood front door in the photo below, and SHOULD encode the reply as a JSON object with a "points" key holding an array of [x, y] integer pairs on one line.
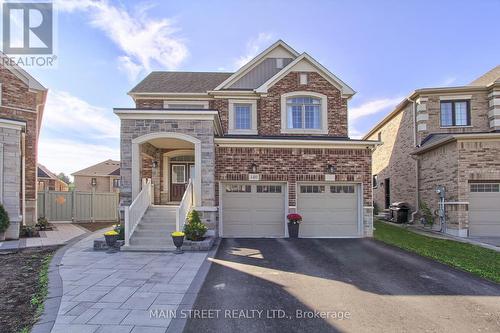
{"points": [[387, 189], [179, 177]]}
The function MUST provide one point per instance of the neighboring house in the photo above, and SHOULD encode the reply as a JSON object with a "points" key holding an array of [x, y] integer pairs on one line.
{"points": [[22, 100], [269, 139], [49, 181], [444, 137], [102, 177]]}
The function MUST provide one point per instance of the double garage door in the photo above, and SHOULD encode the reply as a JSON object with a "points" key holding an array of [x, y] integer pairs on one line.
{"points": [[484, 209], [259, 209]]}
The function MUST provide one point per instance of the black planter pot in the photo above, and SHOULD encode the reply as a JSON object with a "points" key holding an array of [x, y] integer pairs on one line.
{"points": [[111, 240], [178, 241], [293, 230]]}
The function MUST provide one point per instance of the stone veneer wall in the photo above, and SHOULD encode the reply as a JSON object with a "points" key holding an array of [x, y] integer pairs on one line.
{"points": [[19, 103], [10, 149], [294, 165], [201, 129]]}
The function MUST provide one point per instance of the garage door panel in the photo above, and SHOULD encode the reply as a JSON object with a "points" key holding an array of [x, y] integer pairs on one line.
{"points": [[253, 214], [328, 214], [484, 209]]}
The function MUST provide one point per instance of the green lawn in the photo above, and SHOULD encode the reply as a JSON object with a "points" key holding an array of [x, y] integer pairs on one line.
{"points": [[474, 259]]}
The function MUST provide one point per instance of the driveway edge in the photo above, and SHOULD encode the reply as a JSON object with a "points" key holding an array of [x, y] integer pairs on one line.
{"points": [[178, 324], [55, 289]]}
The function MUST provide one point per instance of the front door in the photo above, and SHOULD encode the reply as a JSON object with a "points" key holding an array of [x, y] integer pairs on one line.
{"points": [[387, 189], [180, 174]]}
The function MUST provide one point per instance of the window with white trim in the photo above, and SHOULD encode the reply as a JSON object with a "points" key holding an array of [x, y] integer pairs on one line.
{"points": [[242, 117], [303, 112]]}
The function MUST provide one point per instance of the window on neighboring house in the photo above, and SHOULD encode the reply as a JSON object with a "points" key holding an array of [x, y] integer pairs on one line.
{"points": [[375, 181], [116, 183], [304, 113], [242, 116], [279, 62], [455, 113]]}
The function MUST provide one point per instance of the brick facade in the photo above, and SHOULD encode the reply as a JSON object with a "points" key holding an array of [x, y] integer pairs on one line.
{"points": [[21, 103]]}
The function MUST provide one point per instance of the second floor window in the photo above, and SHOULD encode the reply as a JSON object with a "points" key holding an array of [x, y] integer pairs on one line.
{"points": [[116, 183], [242, 116], [455, 113], [304, 113]]}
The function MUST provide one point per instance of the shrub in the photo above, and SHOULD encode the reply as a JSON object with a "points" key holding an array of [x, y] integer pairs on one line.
{"points": [[29, 231], [426, 213], [120, 229], [4, 219], [42, 223], [194, 228]]}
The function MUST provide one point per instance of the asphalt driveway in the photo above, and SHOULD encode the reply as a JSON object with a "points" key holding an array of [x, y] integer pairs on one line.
{"points": [[347, 285]]}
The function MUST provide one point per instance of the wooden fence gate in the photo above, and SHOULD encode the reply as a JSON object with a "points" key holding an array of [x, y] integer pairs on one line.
{"points": [[78, 206]]}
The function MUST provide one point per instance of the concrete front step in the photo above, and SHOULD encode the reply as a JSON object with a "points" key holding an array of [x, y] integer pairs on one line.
{"points": [[153, 233], [139, 248], [155, 226], [161, 240]]}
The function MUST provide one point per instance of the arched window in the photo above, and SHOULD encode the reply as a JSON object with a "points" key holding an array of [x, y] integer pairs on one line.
{"points": [[304, 112]]}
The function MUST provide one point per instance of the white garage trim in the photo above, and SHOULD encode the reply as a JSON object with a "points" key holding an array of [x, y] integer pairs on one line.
{"points": [[359, 206], [221, 202]]}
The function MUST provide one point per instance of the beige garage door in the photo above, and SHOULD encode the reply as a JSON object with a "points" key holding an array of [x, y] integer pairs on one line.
{"points": [[328, 210], [253, 209], [484, 209]]}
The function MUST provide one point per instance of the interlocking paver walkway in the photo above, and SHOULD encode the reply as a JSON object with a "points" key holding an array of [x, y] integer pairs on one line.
{"points": [[114, 292]]}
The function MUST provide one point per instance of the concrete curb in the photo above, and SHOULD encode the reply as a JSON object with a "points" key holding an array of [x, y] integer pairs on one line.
{"points": [[55, 289], [178, 324]]}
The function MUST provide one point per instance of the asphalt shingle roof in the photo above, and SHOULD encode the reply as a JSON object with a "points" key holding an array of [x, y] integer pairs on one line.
{"points": [[180, 82], [105, 168], [487, 78]]}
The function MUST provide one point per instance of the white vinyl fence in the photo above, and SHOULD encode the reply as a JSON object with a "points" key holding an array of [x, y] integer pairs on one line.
{"points": [[78, 206]]}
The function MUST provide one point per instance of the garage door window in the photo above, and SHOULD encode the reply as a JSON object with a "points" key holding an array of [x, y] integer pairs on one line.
{"points": [[268, 188], [312, 189], [485, 187], [342, 189], [238, 188]]}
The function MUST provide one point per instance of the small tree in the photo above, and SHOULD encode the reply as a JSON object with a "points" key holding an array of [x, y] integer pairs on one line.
{"points": [[64, 178], [426, 213], [194, 228], [4, 219]]}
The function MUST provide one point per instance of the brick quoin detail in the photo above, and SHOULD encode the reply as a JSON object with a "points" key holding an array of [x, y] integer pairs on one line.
{"points": [[295, 165]]}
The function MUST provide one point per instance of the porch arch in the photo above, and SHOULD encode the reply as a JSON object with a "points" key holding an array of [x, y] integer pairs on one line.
{"points": [[136, 159]]}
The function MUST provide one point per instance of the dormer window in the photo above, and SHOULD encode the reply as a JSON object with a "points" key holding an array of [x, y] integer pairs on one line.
{"points": [[304, 112]]}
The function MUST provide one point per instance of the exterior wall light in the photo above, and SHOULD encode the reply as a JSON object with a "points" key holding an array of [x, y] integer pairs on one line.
{"points": [[155, 164], [253, 168]]}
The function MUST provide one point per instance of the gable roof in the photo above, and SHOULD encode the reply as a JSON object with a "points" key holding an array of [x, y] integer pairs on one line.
{"points": [[105, 168], [304, 57], [43, 172], [487, 78], [21, 74], [179, 82], [255, 61]]}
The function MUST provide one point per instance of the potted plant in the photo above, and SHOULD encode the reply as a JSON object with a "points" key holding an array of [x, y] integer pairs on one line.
{"points": [[178, 238], [111, 237], [194, 229], [293, 225], [42, 223], [4, 222]]}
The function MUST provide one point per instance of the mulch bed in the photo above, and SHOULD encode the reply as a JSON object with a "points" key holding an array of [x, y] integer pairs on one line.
{"points": [[19, 282], [94, 226]]}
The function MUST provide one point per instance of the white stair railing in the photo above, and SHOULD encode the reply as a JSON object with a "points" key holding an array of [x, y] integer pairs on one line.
{"points": [[184, 207], [136, 210]]}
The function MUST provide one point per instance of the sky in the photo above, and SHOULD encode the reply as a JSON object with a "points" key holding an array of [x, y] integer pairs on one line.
{"points": [[382, 49]]}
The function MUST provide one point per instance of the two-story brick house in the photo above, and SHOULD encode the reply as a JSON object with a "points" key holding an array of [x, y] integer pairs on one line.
{"points": [[22, 102], [250, 146], [448, 137]]}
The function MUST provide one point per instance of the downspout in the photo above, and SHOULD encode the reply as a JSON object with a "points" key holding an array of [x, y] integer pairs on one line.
{"points": [[417, 196], [23, 170]]}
